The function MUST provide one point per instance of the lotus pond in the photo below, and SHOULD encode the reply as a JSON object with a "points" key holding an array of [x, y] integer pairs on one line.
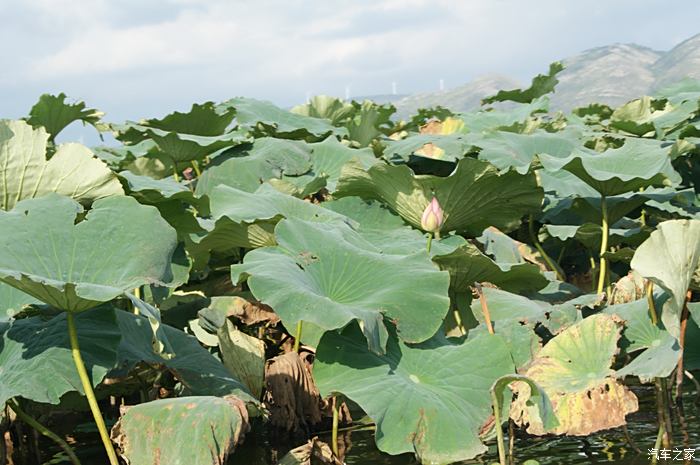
{"points": [[240, 283]]}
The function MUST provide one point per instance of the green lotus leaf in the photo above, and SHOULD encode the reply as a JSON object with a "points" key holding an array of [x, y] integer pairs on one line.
{"points": [[637, 164], [185, 430], [243, 219], [514, 117], [542, 84], [370, 121], [326, 107], [507, 150], [430, 400], [266, 118], [329, 157], [671, 259], [369, 215], [473, 197], [661, 350], [35, 355], [26, 173], [646, 116], [204, 119], [329, 274], [75, 266], [198, 371], [53, 113], [574, 370], [451, 147], [251, 164], [154, 191], [625, 231], [467, 265]]}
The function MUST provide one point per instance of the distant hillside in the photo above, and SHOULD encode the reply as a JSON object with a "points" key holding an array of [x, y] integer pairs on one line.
{"points": [[612, 74]]}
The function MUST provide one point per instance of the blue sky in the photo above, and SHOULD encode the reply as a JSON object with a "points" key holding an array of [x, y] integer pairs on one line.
{"points": [[144, 58]]}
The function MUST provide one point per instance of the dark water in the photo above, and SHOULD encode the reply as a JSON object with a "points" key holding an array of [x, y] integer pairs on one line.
{"points": [[605, 447]]}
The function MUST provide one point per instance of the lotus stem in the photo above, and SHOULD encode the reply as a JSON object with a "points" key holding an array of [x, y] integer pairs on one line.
{"points": [[137, 294], [197, 171], [484, 307], [175, 175], [297, 337], [657, 444], [430, 241], [603, 245], [458, 320], [540, 249], [681, 340], [89, 393], [334, 431], [22, 415], [499, 429], [652, 304]]}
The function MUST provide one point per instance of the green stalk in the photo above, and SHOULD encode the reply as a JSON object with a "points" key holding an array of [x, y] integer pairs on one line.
{"points": [[175, 175], [334, 431], [197, 171], [603, 245], [137, 294], [657, 444], [297, 337], [652, 305], [89, 393], [499, 429], [430, 241], [540, 249], [22, 415]]}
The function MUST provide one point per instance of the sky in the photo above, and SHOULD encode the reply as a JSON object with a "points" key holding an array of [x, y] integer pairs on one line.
{"points": [[145, 58]]}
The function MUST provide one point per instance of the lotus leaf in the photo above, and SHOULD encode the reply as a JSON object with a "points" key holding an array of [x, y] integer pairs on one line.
{"points": [[671, 259], [473, 197], [181, 431], [329, 274], [53, 113], [430, 399], [574, 370], [25, 173], [74, 267]]}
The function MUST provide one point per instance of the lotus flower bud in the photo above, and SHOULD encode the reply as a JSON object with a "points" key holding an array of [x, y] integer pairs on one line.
{"points": [[433, 217], [188, 174]]}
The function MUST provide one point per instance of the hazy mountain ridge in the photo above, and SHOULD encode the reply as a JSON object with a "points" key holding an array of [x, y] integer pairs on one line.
{"points": [[611, 74]]}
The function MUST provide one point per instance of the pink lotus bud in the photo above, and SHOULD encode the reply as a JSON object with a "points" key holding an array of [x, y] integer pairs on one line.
{"points": [[433, 217], [188, 174]]}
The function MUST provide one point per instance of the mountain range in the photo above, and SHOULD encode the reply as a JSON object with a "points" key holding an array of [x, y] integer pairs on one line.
{"points": [[612, 75]]}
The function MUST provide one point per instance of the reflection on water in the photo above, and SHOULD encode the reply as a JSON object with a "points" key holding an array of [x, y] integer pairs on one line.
{"points": [[605, 447]]}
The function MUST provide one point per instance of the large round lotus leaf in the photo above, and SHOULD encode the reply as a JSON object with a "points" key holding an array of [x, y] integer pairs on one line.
{"points": [[329, 274], [671, 259], [153, 191], [251, 164], [330, 156], [244, 219], [262, 116], [430, 399], [75, 266], [574, 370], [468, 265], [26, 173], [474, 197], [181, 431], [53, 113], [512, 150], [449, 147], [35, 355], [635, 165]]}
